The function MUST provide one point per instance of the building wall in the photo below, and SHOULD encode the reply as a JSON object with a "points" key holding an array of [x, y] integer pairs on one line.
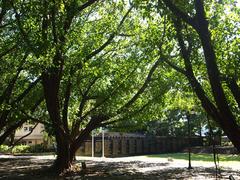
{"points": [[36, 137]]}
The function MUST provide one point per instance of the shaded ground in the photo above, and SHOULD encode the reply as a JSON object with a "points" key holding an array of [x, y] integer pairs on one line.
{"points": [[139, 167]]}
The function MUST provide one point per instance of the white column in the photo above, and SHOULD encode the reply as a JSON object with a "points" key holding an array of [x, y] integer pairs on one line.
{"points": [[102, 142], [92, 144]]}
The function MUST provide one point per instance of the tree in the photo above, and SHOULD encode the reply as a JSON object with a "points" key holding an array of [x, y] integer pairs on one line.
{"points": [[217, 107], [93, 67]]}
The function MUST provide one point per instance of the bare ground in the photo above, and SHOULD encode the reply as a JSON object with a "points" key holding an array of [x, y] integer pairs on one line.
{"points": [[37, 167]]}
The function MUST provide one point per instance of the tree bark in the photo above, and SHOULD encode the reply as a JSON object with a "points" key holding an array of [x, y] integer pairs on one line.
{"points": [[63, 161], [66, 150], [50, 81]]}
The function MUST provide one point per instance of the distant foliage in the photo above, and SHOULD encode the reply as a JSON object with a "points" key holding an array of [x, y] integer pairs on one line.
{"points": [[4, 149], [21, 149]]}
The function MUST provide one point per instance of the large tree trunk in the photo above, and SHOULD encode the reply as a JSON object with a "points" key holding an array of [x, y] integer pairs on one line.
{"points": [[66, 151], [229, 127], [227, 120], [50, 81], [63, 161]]}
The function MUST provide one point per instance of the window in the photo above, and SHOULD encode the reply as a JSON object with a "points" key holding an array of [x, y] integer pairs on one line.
{"points": [[29, 142], [30, 128], [25, 128]]}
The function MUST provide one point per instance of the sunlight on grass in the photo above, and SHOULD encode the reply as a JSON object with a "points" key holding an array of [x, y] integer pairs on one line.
{"points": [[197, 157]]}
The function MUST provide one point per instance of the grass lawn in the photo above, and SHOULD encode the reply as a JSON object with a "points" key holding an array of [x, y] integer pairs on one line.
{"points": [[35, 154], [197, 157]]}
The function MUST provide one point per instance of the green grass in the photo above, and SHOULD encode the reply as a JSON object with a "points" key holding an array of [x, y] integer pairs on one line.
{"points": [[197, 157], [35, 154]]}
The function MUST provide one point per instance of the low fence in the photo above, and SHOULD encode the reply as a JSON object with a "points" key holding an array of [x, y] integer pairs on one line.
{"points": [[128, 146]]}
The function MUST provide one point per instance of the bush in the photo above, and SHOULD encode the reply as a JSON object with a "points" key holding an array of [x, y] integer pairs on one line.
{"points": [[21, 149], [38, 148], [4, 149]]}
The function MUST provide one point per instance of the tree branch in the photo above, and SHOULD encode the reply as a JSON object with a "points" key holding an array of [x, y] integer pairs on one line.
{"points": [[112, 92], [65, 106], [53, 20], [26, 91], [179, 13], [177, 68], [3, 10], [234, 88], [81, 107], [144, 86], [22, 31], [8, 91], [131, 115], [205, 101], [10, 129], [15, 143], [72, 10], [111, 37], [8, 51], [19, 123]]}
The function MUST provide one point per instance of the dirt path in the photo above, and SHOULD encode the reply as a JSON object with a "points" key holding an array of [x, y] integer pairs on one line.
{"points": [[138, 167]]}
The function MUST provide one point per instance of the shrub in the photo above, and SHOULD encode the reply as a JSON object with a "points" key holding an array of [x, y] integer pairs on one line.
{"points": [[4, 149], [21, 149], [38, 148]]}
